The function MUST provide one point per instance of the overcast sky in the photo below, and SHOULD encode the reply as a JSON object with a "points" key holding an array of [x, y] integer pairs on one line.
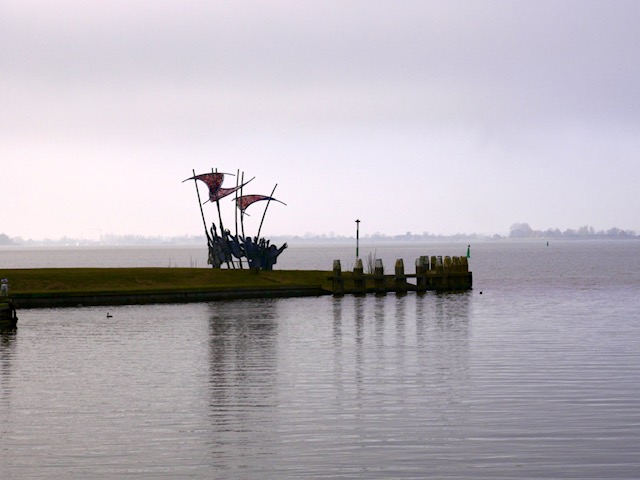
{"points": [[423, 116]]}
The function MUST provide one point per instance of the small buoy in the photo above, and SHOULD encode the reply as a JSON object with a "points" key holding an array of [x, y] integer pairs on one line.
{"points": [[109, 315]]}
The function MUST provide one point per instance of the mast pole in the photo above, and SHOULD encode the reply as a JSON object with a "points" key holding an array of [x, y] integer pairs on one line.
{"points": [[236, 192], [218, 206], [236, 209], [204, 222], [222, 238], [265, 211], [242, 212]]}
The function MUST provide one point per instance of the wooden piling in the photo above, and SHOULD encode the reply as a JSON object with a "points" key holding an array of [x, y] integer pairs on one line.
{"points": [[378, 277], [400, 277], [464, 264], [359, 285], [439, 273], [337, 280], [8, 316], [447, 269], [422, 265]]}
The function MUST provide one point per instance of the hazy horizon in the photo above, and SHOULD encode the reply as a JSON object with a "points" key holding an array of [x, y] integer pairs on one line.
{"points": [[423, 116], [517, 231]]}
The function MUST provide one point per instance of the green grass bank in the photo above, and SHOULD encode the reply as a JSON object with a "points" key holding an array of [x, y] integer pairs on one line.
{"points": [[53, 287], [67, 287]]}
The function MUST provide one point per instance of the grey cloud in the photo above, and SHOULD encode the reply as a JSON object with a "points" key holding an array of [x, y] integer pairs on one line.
{"points": [[491, 91], [534, 58]]}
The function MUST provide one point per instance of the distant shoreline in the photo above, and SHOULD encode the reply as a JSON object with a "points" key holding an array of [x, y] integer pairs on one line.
{"points": [[518, 231], [297, 241]]}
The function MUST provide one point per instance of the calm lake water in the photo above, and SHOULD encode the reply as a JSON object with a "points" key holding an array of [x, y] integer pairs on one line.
{"points": [[535, 373]]}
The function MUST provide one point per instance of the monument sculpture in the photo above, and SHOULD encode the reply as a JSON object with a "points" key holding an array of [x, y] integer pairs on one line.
{"points": [[233, 250]]}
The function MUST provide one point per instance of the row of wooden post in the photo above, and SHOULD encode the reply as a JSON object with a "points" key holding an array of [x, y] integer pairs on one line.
{"points": [[432, 273]]}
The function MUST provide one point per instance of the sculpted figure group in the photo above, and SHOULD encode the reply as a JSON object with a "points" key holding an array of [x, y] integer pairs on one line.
{"points": [[228, 249]]}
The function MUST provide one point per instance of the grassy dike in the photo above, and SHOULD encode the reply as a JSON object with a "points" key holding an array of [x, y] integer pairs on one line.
{"points": [[56, 287]]}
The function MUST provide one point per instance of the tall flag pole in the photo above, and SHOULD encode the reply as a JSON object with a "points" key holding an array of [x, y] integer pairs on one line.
{"points": [[220, 217], [236, 192], [219, 213], [204, 222], [242, 215], [265, 211], [236, 210]]}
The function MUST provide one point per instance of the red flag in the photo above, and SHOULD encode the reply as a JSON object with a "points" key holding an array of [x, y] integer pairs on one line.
{"points": [[221, 193], [212, 180], [246, 200]]}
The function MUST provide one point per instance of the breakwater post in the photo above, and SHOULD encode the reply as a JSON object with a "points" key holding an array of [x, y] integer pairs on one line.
{"points": [[431, 273], [338, 281], [422, 265], [359, 283], [8, 316], [378, 277], [400, 278]]}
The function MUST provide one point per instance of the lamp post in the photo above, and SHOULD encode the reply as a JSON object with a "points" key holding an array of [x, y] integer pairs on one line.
{"points": [[357, 238]]}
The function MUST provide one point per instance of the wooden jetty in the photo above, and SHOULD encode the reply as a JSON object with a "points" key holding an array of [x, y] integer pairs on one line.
{"points": [[8, 316], [431, 273]]}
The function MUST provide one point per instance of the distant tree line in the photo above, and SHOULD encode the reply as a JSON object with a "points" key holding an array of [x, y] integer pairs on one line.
{"points": [[517, 231], [523, 230], [109, 239], [6, 240], [379, 237]]}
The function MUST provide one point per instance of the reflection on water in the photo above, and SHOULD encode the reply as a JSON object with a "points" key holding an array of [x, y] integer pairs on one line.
{"points": [[365, 385], [243, 370], [326, 387], [7, 352], [499, 385]]}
